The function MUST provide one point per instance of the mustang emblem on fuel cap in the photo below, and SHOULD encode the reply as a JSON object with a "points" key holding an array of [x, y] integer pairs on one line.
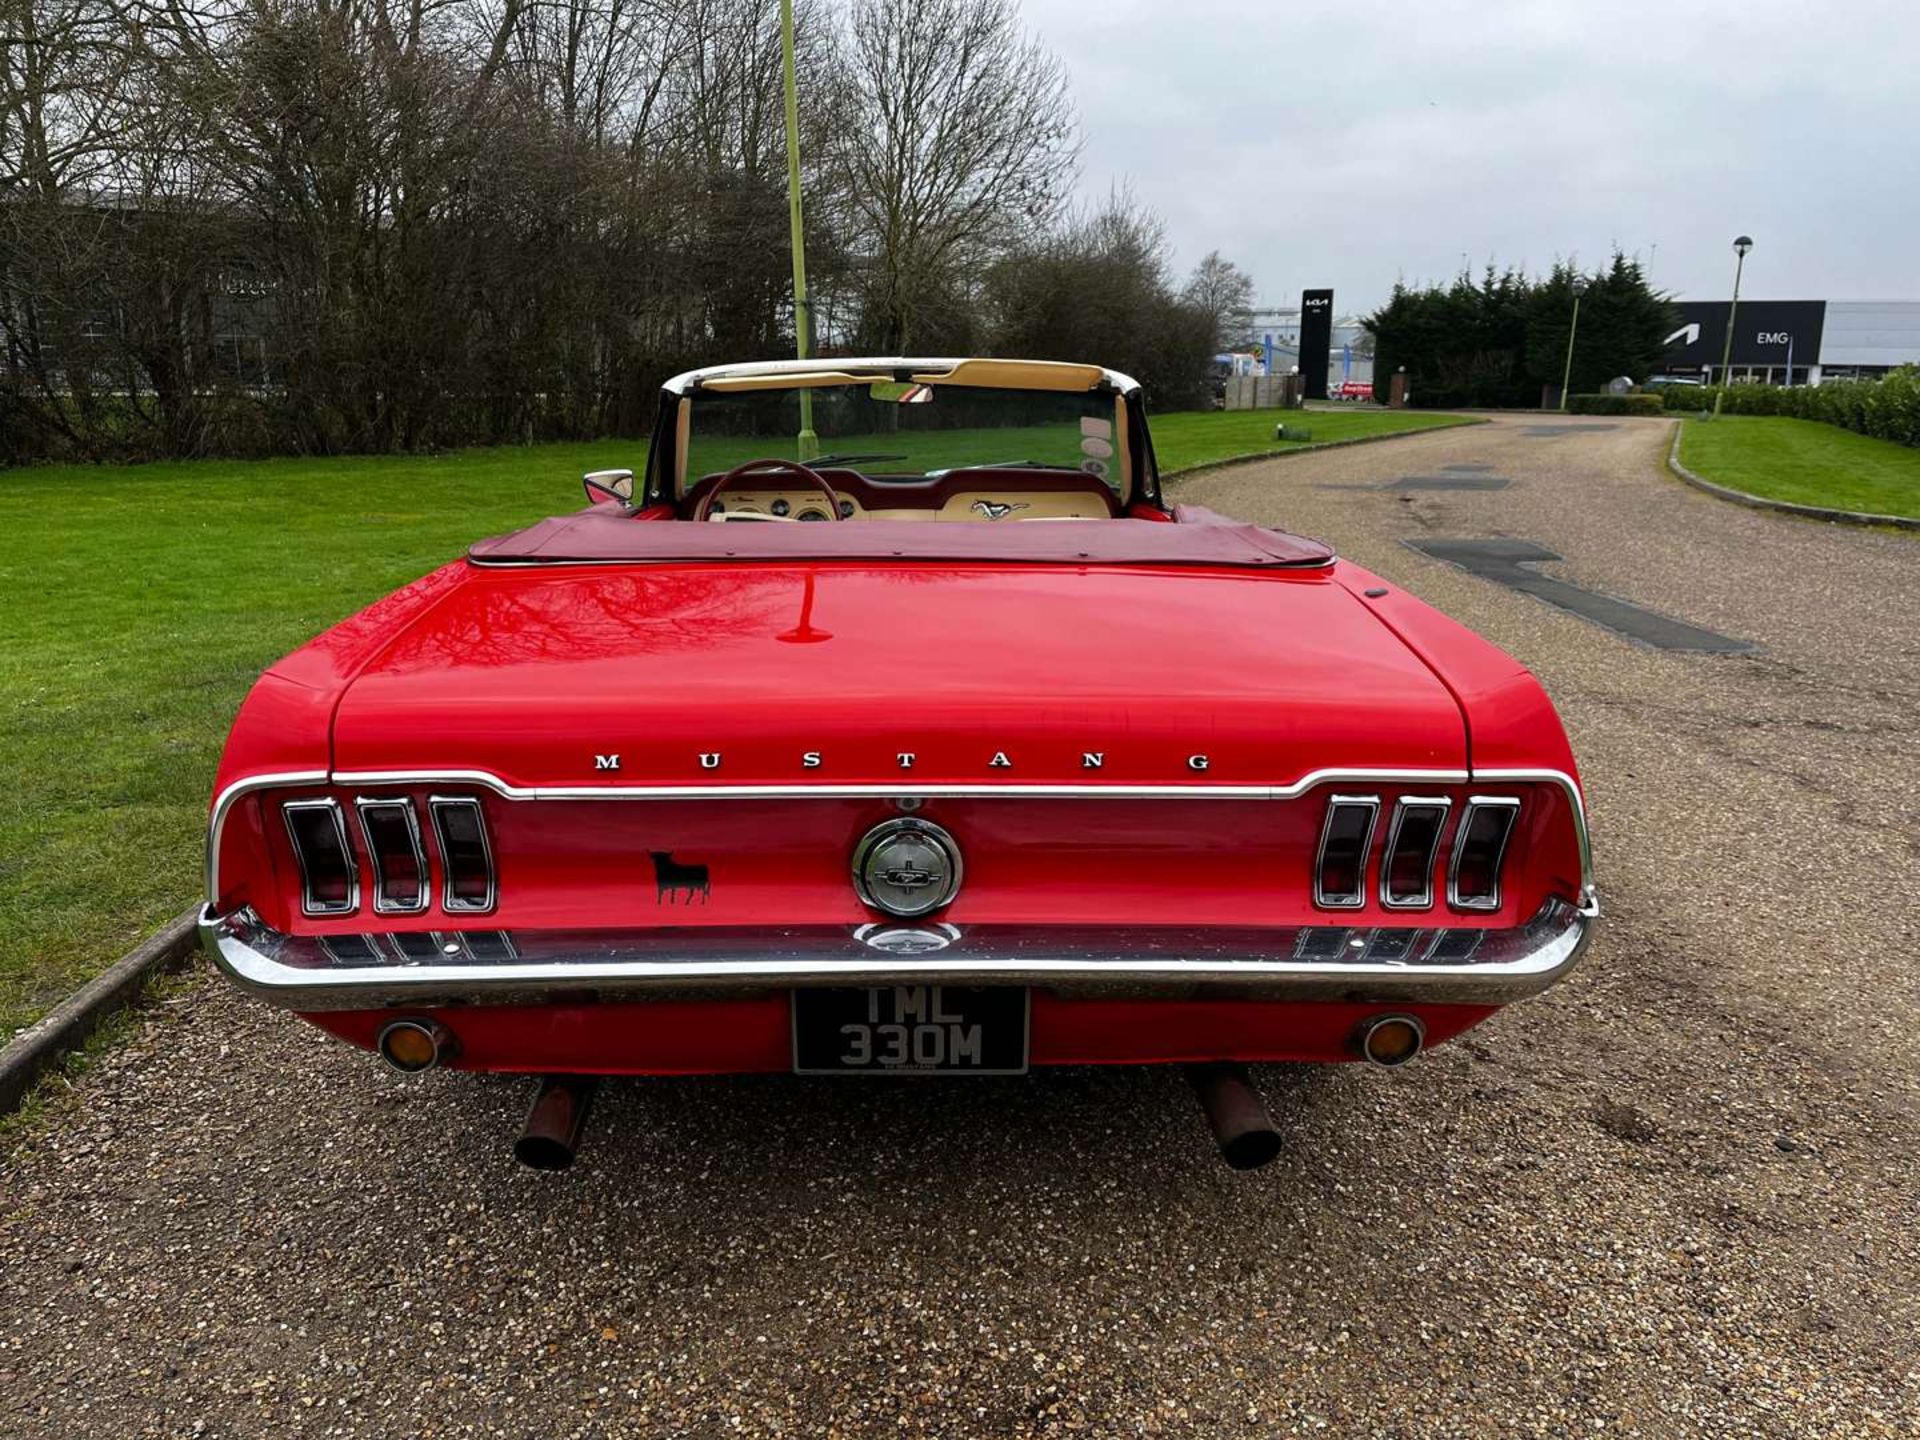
{"points": [[907, 867]]}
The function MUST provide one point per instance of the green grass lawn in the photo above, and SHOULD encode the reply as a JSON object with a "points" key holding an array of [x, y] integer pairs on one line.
{"points": [[140, 602], [1199, 437], [1805, 462]]}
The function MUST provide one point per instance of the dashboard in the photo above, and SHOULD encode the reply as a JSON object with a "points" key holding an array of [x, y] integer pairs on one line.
{"points": [[975, 497]]}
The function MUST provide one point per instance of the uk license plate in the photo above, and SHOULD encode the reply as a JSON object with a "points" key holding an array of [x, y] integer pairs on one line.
{"points": [[910, 1030]]}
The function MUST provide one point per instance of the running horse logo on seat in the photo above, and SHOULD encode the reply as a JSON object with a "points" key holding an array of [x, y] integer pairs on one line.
{"points": [[670, 877]]}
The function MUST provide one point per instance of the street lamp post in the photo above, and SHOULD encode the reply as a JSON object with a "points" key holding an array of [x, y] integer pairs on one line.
{"points": [[1740, 248], [809, 443], [1566, 375]]}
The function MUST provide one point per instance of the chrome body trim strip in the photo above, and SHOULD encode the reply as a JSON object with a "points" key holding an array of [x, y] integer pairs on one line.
{"points": [[381, 905], [1357, 897], [898, 789], [1275, 963], [439, 806], [1589, 898], [1421, 899], [224, 802], [1475, 804], [331, 808]]}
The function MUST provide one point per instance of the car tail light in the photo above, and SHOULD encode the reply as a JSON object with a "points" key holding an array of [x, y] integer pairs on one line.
{"points": [[467, 859], [1406, 872], [1346, 840], [329, 877], [1473, 881], [392, 833]]}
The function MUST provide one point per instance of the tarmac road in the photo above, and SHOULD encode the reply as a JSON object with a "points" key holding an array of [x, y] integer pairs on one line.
{"points": [[1677, 1195]]}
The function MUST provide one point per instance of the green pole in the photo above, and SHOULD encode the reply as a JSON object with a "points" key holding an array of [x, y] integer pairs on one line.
{"points": [[1566, 375], [1740, 248], [809, 445]]}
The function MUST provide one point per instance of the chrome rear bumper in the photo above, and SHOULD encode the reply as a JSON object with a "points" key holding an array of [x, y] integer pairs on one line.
{"points": [[1321, 962]]}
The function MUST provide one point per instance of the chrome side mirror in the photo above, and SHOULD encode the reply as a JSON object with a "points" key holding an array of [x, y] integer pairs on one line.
{"points": [[604, 485]]}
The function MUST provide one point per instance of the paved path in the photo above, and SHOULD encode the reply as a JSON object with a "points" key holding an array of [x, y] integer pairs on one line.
{"points": [[1677, 1195]]}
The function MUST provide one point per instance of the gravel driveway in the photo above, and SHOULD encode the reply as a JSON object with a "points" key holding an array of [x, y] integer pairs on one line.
{"points": [[1677, 1195]]}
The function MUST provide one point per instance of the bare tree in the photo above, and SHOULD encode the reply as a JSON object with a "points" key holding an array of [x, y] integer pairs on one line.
{"points": [[1223, 292], [1097, 288], [241, 226], [957, 136]]}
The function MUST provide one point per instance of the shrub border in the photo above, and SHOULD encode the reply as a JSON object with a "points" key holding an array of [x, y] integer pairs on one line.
{"points": [[39, 1047], [1785, 507]]}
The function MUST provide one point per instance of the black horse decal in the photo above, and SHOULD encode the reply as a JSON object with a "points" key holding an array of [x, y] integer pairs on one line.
{"points": [[670, 877]]}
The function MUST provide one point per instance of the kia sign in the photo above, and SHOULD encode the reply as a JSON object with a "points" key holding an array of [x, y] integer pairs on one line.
{"points": [[1764, 332], [1316, 341]]}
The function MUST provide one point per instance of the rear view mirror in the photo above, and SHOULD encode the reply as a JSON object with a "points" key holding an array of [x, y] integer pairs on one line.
{"points": [[894, 392], [604, 485]]}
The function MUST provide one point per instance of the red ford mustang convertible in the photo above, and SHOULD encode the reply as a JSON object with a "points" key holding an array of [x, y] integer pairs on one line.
{"points": [[946, 747]]}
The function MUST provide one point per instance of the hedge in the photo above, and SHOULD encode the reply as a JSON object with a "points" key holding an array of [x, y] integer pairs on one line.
{"points": [[1615, 405], [1886, 409]]}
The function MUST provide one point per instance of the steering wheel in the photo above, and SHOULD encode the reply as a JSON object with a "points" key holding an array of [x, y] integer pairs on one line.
{"points": [[761, 470]]}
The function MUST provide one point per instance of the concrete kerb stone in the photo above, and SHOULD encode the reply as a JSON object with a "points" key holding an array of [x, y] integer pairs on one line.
{"points": [[63, 1029], [1785, 507]]}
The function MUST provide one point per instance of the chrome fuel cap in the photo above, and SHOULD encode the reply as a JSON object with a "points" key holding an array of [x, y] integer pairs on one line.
{"points": [[907, 867]]}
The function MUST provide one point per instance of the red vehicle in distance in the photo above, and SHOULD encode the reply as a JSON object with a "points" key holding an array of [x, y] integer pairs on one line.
{"points": [[891, 721]]}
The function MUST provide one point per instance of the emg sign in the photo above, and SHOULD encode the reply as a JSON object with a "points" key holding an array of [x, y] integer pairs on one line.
{"points": [[1763, 332]]}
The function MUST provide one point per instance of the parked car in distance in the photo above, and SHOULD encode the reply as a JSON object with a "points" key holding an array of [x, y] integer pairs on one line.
{"points": [[892, 721]]}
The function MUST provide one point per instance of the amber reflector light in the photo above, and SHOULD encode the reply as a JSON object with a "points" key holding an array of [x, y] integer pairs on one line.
{"points": [[1392, 1039], [1340, 870], [410, 1046], [328, 882], [1478, 852], [464, 852]]}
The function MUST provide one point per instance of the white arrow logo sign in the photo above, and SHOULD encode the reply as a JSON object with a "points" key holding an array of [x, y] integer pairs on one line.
{"points": [[1686, 334]]}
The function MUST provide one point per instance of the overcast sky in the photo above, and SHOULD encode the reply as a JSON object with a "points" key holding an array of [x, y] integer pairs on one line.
{"points": [[1346, 144]]}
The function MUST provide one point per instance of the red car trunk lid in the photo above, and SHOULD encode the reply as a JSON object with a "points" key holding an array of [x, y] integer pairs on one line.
{"points": [[864, 673]]}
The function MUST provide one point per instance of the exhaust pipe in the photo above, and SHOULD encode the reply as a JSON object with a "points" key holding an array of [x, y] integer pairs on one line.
{"points": [[1241, 1125], [552, 1132]]}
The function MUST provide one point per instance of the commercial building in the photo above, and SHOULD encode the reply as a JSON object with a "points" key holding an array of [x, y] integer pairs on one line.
{"points": [[1795, 342]]}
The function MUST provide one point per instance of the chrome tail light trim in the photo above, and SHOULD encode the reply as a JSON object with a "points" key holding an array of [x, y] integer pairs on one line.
{"points": [[1343, 810], [1432, 809], [449, 810], [383, 904], [1502, 810], [311, 903], [236, 791]]}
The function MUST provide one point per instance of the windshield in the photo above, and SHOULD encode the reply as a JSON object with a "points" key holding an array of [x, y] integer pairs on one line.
{"points": [[884, 429]]}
